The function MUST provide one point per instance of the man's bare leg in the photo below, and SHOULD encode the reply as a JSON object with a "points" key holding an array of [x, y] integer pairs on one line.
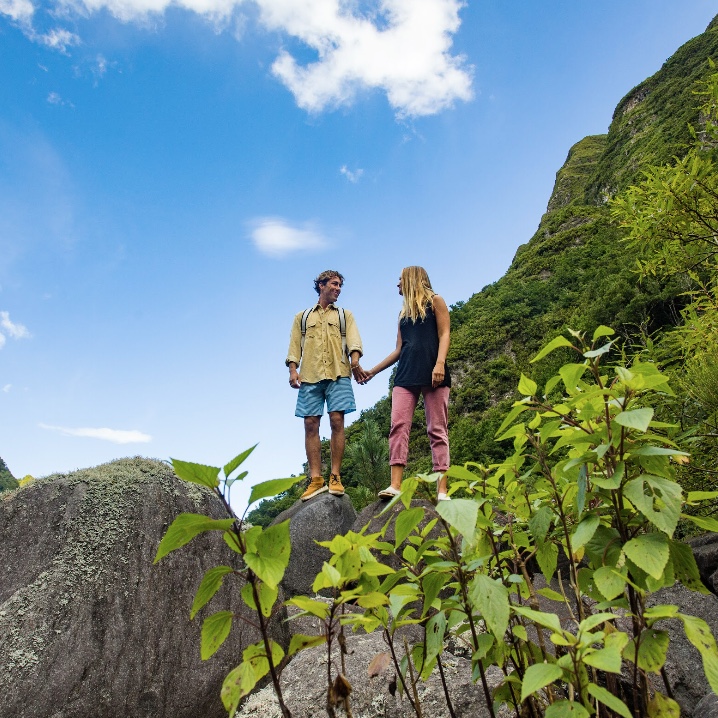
{"points": [[313, 445], [337, 442]]}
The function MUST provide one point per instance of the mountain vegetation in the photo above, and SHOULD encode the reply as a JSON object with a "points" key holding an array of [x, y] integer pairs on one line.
{"points": [[587, 266], [7, 480]]}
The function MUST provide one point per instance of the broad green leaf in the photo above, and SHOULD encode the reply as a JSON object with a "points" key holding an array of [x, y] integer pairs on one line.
{"points": [[598, 352], [638, 419], [537, 677], [540, 523], [570, 374], [584, 531], [485, 641], [609, 581], [559, 341], [665, 610], [595, 620], [646, 490], [299, 642], [435, 629], [582, 486], [239, 682], [272, 554], [267, 597], [431, 585], [548, 620], [185, 527], [657, 451], [685, 567], [547, 558], [461, 472], [550, 594], [699, 634], [566, 709], [237, 461], [211, 583], [704, 522], [602, 331], [316, 608], [492, 600], [272, 488], [661, 706], [461, 514], [608, 658], [510, 418], [527, 386], [406, 521], [608, 699], [650, 552], [695, 496], [652, 650], [197, 473], [215, 630]]}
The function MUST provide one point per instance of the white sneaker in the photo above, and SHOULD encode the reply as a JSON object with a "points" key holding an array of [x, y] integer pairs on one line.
{"points": [[389, 493]]}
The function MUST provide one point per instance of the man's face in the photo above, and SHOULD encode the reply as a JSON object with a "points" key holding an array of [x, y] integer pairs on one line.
{"points": [[330, 290]]}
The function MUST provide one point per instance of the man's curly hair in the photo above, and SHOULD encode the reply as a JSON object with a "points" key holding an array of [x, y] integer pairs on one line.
{"points": [[324, 277]]}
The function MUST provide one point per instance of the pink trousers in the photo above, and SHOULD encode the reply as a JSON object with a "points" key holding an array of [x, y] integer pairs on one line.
{"points": [[436, 404]]}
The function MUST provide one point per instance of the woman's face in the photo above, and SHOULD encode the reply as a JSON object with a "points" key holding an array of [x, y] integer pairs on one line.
{"points": [[401, 294]]}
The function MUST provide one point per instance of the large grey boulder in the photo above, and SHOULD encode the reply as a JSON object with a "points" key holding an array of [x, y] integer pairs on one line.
{"points": [[319, 519], [705, 550], [89, 628]]}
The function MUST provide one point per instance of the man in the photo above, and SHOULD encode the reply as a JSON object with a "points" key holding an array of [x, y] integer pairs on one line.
{"points": [[328, 359]]}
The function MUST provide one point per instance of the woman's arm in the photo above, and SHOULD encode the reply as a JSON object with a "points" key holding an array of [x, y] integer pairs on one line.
{"points": [[443, 327], [393, 358]]}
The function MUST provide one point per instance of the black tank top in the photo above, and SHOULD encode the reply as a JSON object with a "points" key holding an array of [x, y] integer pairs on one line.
{"points": [[419, 351]]}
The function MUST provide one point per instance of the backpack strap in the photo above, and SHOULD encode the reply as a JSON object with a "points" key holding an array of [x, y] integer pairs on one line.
{"points": [[343, 329], [305, 316]]}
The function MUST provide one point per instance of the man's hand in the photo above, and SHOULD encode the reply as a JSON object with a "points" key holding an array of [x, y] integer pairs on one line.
{"points": [[360, 376], [294, 381]]}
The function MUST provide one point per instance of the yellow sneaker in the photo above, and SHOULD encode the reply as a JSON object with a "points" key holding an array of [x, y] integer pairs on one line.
{"points": [[335, 485], [315, 486]]}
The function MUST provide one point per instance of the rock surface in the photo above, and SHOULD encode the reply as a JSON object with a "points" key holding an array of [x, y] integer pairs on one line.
{"points": [[304, 684], [705, 550], [684, 666], [319, 519], [89, 628]]}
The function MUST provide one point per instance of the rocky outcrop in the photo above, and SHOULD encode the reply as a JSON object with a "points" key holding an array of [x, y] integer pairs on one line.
{"points": [[89, 627], [319, 519], [705, 550]]}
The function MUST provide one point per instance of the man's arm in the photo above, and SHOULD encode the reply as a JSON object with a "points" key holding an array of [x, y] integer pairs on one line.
{"points": [[294, 354], [354, 348]]}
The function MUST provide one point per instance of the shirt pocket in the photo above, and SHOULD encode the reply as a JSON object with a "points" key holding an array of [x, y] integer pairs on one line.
{"points": [[312, 323], [333, 328]]}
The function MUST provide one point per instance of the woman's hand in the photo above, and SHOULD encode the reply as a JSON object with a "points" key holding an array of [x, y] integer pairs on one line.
{"points": [[360, 376], [437, 375]]}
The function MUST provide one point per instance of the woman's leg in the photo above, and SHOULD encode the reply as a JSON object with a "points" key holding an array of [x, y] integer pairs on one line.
{"points": [[403, 403], [436, 404]]}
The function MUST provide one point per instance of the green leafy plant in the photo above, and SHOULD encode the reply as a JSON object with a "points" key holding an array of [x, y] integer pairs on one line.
{"points": [[264, 555]]}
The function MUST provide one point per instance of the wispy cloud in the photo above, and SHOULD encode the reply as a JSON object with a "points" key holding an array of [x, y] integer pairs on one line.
{"points": [[55, 98], [400, 47], [58, 39], [352, 175], [116, 436], [10, 329], [275, 237], [7, 388], [19, 10]]}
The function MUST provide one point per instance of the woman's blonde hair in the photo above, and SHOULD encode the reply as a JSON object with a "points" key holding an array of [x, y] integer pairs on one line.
{"points": [[417, 292]]}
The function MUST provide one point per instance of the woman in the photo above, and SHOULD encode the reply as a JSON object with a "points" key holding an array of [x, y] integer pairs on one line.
{"points": [[422, 343]]}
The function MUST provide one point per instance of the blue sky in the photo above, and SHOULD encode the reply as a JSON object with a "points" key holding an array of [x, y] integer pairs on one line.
{"points": [[173, 176]]}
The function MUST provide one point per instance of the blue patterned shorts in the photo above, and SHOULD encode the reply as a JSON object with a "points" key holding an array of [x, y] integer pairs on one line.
{"points": [[338, 395]]}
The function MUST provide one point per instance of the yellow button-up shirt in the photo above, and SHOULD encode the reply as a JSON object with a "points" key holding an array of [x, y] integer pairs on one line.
{"points": [[322, 355]]}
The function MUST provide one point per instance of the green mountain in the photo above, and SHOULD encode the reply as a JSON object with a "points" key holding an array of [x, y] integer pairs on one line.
{"points": [[575, 272], [7, 480]]}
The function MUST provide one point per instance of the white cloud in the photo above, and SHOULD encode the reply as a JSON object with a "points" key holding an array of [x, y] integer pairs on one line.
{"points": [[401, 47], [352, 175], [116, 436], [10, 329], [58, 39], [7, 388], [19, 10], [55, 98], [274, 237]]}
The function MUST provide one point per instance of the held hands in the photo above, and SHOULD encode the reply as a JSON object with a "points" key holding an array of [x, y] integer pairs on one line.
{"points": [[360, 376], [294, 380]]}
